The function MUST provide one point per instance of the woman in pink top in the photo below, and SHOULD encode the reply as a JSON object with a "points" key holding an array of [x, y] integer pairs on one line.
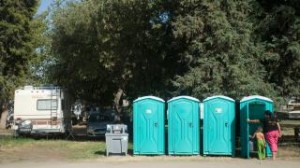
{"points": [[272, 131]]}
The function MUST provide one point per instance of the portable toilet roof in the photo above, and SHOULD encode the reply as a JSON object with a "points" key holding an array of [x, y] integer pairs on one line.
{"points": [[218, 96], [247, 98], [149, 97], [184, 97]]}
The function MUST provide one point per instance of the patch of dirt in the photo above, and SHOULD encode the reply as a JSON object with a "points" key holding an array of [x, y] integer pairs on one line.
{"points": [[289, 152], [41, 151], [32, 153], [5, 132]]}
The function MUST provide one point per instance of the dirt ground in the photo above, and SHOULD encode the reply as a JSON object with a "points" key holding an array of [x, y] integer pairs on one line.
{"points": [[37, 155], [117, 162]]}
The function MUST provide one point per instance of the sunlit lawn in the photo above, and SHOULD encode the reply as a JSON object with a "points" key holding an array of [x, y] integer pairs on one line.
{"points": [[28, 148]]}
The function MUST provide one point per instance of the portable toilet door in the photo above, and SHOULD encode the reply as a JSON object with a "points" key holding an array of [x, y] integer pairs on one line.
{"points": [[183, 128], [252, 107], [148, 126], [219, 126]]}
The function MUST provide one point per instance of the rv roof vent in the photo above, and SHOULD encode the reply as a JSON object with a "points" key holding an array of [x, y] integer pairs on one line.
{"points": [[28, 87]]}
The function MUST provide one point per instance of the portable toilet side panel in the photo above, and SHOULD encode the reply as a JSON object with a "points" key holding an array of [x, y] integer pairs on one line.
{"points": [[183, 128], [148, 126], [219, 126], [252, 107]]}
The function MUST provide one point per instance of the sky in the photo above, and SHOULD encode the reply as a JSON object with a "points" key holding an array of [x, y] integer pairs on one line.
{"points": [[44, 5]]}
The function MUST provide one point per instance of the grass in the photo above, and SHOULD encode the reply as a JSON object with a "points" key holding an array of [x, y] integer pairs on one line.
{"points": [[86, 150], [9, 142], [13, 149], [24, 149], [289, 151]]}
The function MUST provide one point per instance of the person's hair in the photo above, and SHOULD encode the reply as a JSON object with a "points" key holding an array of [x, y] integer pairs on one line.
{"points": [[268, 113], [259, 128]]}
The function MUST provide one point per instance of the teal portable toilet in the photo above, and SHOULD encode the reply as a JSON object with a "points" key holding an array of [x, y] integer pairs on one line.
{"points": [[183, 118], [219, 126], [148, 126], [252, 107]]}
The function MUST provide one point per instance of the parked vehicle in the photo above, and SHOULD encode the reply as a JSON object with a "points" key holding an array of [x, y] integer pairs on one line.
{"points": [[97, 123], [291, 110], [42, 110]]}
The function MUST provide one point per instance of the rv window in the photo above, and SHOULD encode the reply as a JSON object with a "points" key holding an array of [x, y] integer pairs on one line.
{"points": [[46, 104]]}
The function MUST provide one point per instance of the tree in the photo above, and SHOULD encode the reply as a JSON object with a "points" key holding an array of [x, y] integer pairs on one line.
{"points": [[105, 50], [16, 44], [37, 71], [223, 59], [278, 29], [110, 47]]}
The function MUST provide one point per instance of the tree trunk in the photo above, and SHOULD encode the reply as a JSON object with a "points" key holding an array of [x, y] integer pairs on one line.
{"points": [[3, 119], [118, 104]]}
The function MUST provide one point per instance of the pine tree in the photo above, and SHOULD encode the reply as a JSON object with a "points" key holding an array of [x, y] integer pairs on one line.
{"points": [[16, 47], [278, 30], [221, 55]]}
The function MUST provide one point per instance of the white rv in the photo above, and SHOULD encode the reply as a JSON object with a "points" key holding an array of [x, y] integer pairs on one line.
{"points": [[41, 110]]}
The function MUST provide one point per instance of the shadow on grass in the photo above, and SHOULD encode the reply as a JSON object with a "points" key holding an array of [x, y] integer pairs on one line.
{"points": [[130, 152], [100, 153]]}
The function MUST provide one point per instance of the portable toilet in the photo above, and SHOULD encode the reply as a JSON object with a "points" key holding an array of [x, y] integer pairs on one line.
{"points": [[148, 126], [183, 118], [252, 107], [219, 126]]}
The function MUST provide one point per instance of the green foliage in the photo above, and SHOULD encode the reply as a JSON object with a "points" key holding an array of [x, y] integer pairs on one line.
{"points": [[222, 53], [167, 48], [16, 44], [279, 29], [104, 46], [83, 51], [41, 56]]}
